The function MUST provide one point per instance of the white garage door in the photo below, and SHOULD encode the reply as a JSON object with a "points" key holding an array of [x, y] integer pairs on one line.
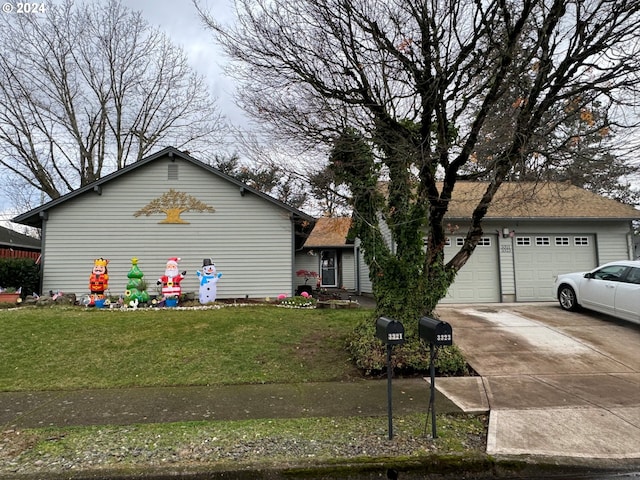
{"points": [[479, 280], [539, 258]]}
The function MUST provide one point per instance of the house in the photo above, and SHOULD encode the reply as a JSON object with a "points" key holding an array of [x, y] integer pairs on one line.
{"points": [[170, 205], [17, 245], [330, 253], [532, 232]]}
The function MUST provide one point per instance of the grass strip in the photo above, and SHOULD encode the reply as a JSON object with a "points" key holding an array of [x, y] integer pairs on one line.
{"points": [[238, 444]]}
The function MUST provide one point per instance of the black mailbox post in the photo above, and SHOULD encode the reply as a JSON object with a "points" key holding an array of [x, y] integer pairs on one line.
{"points": [[391, 332], [435, 333]]}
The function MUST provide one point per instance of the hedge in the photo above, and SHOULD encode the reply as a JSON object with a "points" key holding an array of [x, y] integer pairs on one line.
{"points": [[20, 273]]}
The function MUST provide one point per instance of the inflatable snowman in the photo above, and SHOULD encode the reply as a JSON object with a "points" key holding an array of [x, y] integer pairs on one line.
{"points": [[208, 281]]}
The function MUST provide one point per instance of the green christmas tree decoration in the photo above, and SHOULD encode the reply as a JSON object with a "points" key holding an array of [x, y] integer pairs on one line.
{"points": [[136, 286]]}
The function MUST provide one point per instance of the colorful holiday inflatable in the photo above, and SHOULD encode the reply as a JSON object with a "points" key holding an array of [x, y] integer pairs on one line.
{"points": [[208, 278], [98, 281], [136, 286], [170, 282]]}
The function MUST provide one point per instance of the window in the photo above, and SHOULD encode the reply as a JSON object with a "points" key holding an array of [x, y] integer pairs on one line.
{"points": [[581, 241], [562, 241], [611, 273], [328, 271], [447, 242], [634, 276], [523, 241], [543, 241], [484, 242]]}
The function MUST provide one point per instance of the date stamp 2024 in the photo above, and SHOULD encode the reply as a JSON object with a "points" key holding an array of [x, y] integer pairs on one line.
{"points": [[24, 7]]}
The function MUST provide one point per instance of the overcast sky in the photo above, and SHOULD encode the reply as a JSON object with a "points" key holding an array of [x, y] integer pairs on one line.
{"points": [[179, 20]]}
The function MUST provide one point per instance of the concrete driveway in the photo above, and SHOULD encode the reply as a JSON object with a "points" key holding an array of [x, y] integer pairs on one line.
{"points": [[556, 383]]}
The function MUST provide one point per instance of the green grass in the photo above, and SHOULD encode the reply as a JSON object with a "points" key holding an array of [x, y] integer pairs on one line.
{"points": [[73, 347]]}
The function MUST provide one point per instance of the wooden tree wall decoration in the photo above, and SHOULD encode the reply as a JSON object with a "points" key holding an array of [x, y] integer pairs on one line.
{"points": [[173, 204]]}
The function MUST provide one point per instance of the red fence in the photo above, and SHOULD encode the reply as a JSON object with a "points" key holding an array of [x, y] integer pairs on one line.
{"points": [[13, 253]]}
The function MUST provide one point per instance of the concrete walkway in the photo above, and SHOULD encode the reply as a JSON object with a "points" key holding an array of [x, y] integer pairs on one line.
{"points": [[236, 402], [555, 383]]}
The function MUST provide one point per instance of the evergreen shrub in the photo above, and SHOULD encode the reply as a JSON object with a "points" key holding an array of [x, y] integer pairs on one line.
{"points": [[369, 354], [20, 273]]}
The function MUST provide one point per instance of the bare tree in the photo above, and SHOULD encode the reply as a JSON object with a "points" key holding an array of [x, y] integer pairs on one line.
{"points": [[404, 90], [268, 177], [89, 88]]}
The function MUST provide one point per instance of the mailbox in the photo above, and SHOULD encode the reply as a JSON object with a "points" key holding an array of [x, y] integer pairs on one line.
{"points": [[435, 331], [390, 331]]}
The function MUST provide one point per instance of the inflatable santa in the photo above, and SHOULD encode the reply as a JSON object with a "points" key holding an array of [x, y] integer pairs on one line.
{"points": [[171, 279]]}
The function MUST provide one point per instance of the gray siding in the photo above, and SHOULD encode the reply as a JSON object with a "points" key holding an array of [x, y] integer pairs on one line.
{"points": [[364, 281], [248, 238], [305, 261], [348, 270], [614, 243]]}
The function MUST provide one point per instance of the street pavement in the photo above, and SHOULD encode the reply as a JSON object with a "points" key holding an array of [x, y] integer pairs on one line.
{"points": [[555, 384]]}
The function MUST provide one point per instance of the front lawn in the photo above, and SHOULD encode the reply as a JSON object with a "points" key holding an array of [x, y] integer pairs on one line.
{"points": [[72, 347]]}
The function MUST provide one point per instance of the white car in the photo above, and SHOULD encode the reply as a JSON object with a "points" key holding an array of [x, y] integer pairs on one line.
{"points": [[612, 288]]}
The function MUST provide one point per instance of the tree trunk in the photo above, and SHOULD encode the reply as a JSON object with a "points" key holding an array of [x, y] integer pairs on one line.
{"points": [[173, 216]]}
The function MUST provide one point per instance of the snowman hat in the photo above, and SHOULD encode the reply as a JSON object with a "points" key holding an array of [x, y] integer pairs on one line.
{"points": [[173, 261], [207, 261]]}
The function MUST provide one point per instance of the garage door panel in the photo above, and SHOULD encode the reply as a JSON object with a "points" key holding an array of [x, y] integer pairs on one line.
{"points": [[539, 258], [478, 281], [485, 277], [543, 258], [544, 275], [526, 292], [546, 292], [526, 276]]}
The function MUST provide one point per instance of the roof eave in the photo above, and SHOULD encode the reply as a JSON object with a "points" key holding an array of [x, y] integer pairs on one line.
{"points": [[34, 217], [342, 245], [514, 219]]}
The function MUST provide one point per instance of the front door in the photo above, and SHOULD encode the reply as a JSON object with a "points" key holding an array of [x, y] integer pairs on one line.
{"points": [[328, 268]]}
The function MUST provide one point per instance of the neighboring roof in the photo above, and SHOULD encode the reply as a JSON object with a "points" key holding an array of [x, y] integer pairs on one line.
{"points": [[12, 239], [530, 200], [34, 217], [329, 232]]}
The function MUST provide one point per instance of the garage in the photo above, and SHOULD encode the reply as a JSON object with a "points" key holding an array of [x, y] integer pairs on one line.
{"points": [[479, 280], [539, 258], [532, 232]]}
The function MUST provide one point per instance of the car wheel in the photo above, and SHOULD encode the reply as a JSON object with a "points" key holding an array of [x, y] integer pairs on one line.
{"points": [[567, 298]]}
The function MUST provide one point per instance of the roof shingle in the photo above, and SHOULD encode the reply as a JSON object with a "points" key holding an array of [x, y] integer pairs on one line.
{"points": [[329, 232], [538, 201]]}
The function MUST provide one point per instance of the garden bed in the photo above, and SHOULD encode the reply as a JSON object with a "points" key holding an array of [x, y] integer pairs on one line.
{"points": [[337, 304]]}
